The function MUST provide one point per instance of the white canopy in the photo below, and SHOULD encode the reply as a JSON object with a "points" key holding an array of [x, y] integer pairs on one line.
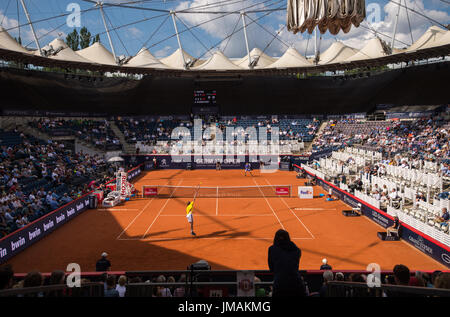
{"points": [[428, 39], [290, 58], [336, 53], [97, 53], [68, 54], [263, 61], [444, 39], [8, 42], [175, 60], [218, 61], [145, 59], [373, 49]]}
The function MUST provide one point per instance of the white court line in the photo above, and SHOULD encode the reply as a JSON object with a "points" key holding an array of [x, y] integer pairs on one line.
{"points": [[292, 211], [117, 209], [253, 215], [132, 221], [206, 238], [162, 208], [269, 204], [307, 208]]}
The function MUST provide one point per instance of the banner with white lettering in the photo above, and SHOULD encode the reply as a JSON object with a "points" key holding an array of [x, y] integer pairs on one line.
{"points": [[25, 237]]}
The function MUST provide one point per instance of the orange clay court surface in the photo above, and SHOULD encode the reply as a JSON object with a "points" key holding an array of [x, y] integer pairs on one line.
{"points": [[232, 233]]}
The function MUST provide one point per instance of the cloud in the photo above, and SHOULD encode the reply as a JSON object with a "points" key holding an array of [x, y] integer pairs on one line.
{"points": [[357, 37]]}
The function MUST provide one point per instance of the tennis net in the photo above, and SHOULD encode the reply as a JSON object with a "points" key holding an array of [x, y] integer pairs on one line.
{"points": [[167, 191]]}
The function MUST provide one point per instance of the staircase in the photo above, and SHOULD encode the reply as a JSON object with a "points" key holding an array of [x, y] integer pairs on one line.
{"points": [[323, 125], [127, 147]]}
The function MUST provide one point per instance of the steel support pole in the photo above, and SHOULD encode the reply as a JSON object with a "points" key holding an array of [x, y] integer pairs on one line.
{"points": [[31, 26], [100, 5], [246, 39], [172, 13]]}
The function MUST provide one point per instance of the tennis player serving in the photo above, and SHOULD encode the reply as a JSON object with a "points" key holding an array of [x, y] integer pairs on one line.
{"points": [[189, 216]]}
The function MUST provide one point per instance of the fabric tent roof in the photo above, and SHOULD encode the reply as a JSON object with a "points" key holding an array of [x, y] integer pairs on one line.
{"points": [[218, 61], [8, 42], [175, 60], [68, 54], [336, 53], [263, 61], [97, 53], [290, 58], [373, 49], [443, 40], [428, 39], [145, 59]]}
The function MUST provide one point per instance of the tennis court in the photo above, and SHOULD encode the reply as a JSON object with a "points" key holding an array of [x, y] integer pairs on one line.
{"points": [[232, 231]]}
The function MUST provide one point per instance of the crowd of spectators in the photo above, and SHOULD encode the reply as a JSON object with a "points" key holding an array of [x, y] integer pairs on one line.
{"points": [[37, 177], [97, 133], [424, 138]]}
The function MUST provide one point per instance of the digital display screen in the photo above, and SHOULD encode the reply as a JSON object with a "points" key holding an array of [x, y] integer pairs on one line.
{"points": [[205, 97]]}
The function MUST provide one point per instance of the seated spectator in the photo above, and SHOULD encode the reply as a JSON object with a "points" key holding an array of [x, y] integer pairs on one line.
{"points": [[327, 277], [444, 217], [120, 287], [442, 281], [111, 287], [180, 291], [6, 277], [394, 228]]}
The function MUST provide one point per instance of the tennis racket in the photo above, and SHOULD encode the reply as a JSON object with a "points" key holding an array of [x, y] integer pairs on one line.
{"points": [[196, 191]]}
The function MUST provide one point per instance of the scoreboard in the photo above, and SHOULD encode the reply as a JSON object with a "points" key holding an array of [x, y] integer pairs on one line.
{"points": [[205, 97]]}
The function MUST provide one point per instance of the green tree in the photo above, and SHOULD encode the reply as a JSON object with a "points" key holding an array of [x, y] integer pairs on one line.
{"points": [[73, 40], [85, 37], [96, 39]]}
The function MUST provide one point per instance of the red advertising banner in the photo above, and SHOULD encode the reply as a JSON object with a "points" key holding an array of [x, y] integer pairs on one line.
{"points": [[282, 191], [150, 191]]}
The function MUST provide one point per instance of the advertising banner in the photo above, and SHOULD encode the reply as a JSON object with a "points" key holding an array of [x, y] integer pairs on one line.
{"points": [[150, 191], [21, 239], [282, 191], [419, 240], [305, 192], [33, 232]]}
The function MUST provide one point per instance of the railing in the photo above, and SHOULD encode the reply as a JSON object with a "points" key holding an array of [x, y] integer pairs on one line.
{"points": [[353, 289], [85, 290]]}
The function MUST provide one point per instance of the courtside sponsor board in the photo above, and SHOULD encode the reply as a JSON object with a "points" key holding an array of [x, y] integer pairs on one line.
{"points": [[20, 240], [150, 191], [282, 191], [421, 242], [305, 192]]}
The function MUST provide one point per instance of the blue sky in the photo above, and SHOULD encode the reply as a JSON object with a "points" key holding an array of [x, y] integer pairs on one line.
{"points": [[129, 39]]}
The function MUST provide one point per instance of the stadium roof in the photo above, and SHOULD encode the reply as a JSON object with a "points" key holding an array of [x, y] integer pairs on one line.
{"points": [[336, 53], [218, 61], [97, 53], [434, 43], [145, 59], [291, 58], [428, 39], [373, 49]]}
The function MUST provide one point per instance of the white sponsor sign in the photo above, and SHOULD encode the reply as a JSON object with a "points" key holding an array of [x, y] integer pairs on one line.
{"points": [[305, 192], [246, 286]]}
